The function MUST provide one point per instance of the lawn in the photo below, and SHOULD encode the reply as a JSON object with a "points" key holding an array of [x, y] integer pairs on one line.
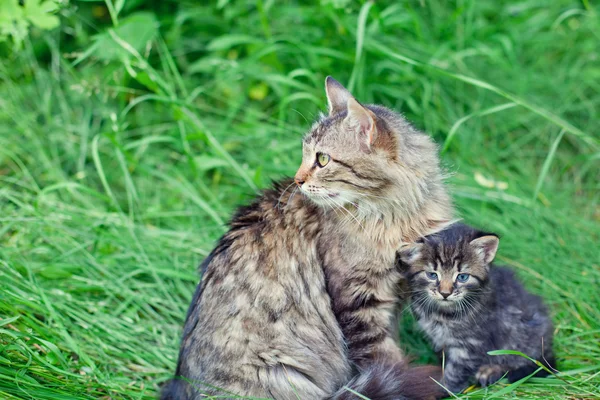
{"points": [[130, 132]]}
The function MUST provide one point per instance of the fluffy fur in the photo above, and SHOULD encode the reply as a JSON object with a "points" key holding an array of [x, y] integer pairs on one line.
{"points": [[468, 307], [297, 298]]}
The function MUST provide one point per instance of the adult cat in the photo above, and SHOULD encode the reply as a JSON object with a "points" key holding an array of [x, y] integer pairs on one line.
{"points": [[296, 300]]}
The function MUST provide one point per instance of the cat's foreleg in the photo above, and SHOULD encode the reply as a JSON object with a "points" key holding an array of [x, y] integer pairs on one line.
{"points": [[489, 374], [459, 367], [366, 324]]}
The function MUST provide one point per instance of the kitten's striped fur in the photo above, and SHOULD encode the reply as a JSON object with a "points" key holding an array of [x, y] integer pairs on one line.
{"points": [[490, 310], [297, 299]]}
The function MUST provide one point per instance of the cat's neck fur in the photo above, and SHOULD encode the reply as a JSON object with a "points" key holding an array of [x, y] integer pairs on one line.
{"points": [[389, 228]]}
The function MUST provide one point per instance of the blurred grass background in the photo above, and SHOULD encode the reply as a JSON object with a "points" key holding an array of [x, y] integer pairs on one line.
{"points": [[130, 130]]}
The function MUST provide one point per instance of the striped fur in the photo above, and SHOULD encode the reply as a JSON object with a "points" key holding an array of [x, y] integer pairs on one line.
{"points": [[490, 310], [297, 298]]}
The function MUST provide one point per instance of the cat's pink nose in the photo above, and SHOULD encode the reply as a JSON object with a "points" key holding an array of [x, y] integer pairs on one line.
{"points": [[298, 181]]}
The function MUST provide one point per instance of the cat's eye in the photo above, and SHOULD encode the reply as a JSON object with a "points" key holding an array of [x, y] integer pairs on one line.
{"points": [[323, 159], [431, 275], [462, 278]]}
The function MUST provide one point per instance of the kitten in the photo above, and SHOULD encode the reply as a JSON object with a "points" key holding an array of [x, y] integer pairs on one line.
{"points": [[297, 298], [467, 307]]}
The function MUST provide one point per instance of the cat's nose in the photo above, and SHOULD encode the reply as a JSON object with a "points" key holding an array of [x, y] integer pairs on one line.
{"points": [[445, 294], [299, 181]]}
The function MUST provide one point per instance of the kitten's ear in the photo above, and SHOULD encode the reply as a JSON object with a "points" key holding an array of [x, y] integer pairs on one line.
{"points": [[409, 253], [337, 96], [486, 247], [363, 121]]}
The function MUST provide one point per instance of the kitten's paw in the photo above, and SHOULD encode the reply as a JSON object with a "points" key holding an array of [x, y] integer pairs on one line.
{"points": [[489, 374]]}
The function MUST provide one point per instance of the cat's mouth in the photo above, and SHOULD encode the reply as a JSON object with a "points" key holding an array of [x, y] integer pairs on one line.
{"points": [[448, 301]]}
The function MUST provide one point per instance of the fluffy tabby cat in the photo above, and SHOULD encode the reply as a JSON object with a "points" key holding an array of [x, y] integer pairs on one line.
{"points": [[296, 300], [467, 307]]}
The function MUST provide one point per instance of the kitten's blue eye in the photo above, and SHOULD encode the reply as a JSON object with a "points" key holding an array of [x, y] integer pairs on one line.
{"points": [[462, 277], [431, 275]]}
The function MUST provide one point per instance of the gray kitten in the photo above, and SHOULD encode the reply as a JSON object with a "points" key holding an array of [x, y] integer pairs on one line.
{"points": [[297, 299], [467, 307]]}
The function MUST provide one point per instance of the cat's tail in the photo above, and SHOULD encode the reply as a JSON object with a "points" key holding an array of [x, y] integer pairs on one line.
{"points": [[394, 382]]}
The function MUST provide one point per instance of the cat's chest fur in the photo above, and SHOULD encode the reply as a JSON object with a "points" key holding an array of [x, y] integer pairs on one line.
{"points": [[439, 332], [361, 256], [367, 244], [445, 332]]}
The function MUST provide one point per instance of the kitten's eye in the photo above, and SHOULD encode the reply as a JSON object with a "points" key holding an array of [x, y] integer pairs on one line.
{"points": [[322, 159], [462, 277], [431, 275]]}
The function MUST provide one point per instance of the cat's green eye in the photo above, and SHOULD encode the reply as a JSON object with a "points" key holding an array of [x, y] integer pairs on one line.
{"points": [[323, 159], [462, 278], [431, 275]]}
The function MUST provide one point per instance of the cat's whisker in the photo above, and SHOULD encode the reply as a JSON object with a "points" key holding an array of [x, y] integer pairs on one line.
{"points": [[422, 300], [375, 196], [331, 204], [283, 193], [346, 218], [416, 303], [296, 189], [352, 215], [365, 195], [469, 307]]}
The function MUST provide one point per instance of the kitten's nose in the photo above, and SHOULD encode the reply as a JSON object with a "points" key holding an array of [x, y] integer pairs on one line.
{"points": [[445, 294], [299, 181]]}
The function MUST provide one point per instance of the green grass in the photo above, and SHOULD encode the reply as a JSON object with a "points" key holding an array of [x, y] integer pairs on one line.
{"points": [[120, 163]]}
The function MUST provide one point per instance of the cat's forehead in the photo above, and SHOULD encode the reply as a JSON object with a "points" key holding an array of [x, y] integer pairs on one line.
{"points": [[446, 253], [328, 132]]}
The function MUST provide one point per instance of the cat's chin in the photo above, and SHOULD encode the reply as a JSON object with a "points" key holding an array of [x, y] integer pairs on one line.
{"points": [[320, 200], [323, 199], [446, 304]]}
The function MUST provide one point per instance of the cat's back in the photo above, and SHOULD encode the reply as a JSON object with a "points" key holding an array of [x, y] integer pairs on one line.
{"points": [[262, 309], [519, 309]]}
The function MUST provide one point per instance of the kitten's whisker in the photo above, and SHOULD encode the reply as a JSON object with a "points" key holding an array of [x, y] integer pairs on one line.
{"points": [[470, 308], [416, 303]]}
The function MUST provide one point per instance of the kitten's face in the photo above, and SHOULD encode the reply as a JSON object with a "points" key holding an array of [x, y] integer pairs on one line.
{"points": [[448, 275]]}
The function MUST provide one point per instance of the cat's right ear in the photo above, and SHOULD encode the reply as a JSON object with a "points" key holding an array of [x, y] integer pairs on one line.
{"points": [[407, 256], [485, 247], [337, 96], [362, 120], [409, 253]]}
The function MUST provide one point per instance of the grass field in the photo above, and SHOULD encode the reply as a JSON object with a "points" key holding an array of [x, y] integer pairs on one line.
{"points": [[128, 136]]}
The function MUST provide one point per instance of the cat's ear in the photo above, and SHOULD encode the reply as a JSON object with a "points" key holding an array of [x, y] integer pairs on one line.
{"points": [[409, 253], [485, 247], [362, 120], [337, 96]]}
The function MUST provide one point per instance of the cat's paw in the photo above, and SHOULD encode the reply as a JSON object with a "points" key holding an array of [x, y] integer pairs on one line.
{"points": [[489, 374]]}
